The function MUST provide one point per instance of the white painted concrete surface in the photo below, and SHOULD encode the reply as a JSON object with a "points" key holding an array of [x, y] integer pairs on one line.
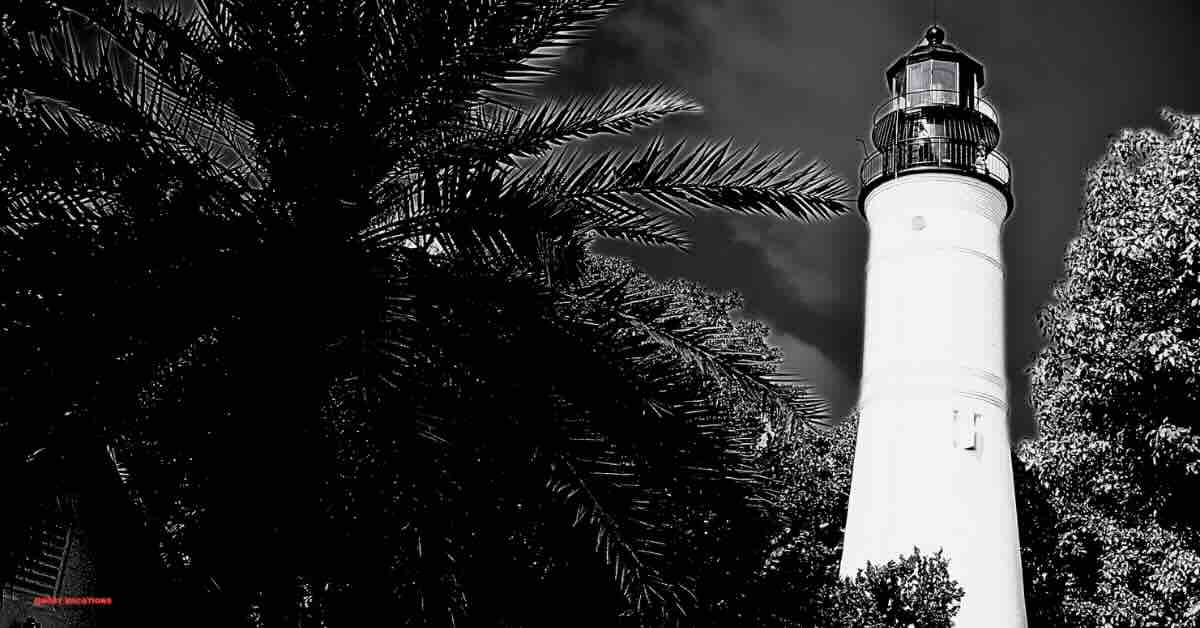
{"points": [[932, 466]]}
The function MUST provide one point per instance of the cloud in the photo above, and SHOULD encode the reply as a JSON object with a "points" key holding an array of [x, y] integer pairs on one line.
{"points": [[827, 380], [805, 261]]}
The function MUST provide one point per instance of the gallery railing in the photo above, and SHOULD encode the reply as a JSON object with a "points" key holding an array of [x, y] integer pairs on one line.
{"points": [[930, 97], [927, 153]]}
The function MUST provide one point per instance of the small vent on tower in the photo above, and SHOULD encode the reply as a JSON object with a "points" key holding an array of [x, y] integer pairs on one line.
{"points": [[918, 223]]}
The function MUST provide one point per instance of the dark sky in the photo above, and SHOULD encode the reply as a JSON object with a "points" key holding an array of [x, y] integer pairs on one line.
{"points": [[1065, 75]]}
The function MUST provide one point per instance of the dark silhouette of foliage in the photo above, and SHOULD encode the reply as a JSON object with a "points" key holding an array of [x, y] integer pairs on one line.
{"points": [[1117, 457], [312, 275], [730, 552]]}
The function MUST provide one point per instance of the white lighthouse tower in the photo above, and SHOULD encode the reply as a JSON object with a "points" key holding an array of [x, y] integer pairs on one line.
{"points": [[932, 465]]}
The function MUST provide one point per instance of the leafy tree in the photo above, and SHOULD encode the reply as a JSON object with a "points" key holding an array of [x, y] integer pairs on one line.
{"points": [[1115, 389], [298, 270], [911, 591]]}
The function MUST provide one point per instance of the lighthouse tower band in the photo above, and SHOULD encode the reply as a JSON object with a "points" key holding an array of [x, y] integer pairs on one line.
{"points": [[932, 466]]}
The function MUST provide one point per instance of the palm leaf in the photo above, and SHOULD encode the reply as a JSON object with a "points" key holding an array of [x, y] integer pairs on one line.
{"points": [[705, 349], [523, 57], [124, 71], [519, 134], [503, 135], [709, 176], [639, 228], [632, 561]]}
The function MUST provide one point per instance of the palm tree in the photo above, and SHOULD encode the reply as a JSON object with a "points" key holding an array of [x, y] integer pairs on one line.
{"points": [[313, 274]]}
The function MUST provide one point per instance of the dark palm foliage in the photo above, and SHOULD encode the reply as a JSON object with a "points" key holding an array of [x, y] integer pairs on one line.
{"points": [[296, 267]]}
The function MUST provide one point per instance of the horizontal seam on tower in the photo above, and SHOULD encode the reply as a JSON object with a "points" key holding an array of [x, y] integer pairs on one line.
{"points": [[917, 251], [908, 369], [995, 401]]}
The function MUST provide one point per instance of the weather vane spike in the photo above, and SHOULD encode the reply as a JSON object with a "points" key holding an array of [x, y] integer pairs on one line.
{"points": [[935, 12]]}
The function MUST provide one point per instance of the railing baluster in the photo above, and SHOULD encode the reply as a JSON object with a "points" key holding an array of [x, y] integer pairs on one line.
{"points": [[923, 98], [938, 152]]}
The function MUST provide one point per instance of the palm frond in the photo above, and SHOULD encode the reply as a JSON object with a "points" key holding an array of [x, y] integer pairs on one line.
{"points": [[465, 213], [632, 561], [524, 57], [121, 470], [672, 394], [213, 25], [123, 69], [434, 62], [513, 133], [47, 166], [705, 349], [218, 23], [709, 176], [639, 228], [504, 135]]}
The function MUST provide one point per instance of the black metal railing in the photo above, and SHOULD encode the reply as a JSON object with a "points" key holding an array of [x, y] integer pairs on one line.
{"points": [[930, 97], [936, 152]]}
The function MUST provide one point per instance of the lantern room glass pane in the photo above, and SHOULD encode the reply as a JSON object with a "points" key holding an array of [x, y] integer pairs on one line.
{"points": [[944, 75], [918, 77]]}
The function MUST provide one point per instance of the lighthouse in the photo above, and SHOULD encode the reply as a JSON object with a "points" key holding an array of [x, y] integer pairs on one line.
{"points": [[932, 466]]}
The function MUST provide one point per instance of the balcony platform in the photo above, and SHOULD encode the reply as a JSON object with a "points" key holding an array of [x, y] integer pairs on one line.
{"points": [[936, 154]]}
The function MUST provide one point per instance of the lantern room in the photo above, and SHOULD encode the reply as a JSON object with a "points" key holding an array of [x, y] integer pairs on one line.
{"points": [[938, 71], [935, 119]]}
